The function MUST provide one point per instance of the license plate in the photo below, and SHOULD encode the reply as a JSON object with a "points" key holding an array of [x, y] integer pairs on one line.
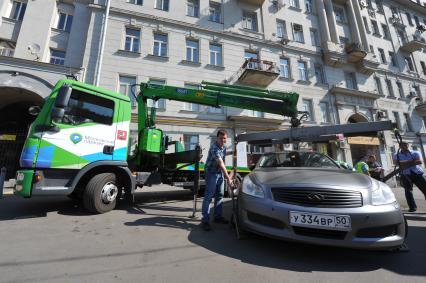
{"points": [[324, 221]]}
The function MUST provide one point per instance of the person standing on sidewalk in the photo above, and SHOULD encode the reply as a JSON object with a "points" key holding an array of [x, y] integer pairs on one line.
{"points": [[411, 173], [215, 172], [374, 167]]}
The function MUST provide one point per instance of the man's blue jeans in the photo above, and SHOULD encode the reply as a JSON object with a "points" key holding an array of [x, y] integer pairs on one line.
{"points": [[214, 188]]}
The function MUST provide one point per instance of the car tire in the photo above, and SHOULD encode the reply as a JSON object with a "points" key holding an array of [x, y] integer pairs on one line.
{"points": [[101, 193]]}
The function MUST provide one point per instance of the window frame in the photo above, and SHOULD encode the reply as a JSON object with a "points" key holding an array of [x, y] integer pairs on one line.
{"points": [[389, 86], [382, 55], [303, 72], [160, 43], [327, 112], [135, 2], [318, 66], [128, 87], [132, 38], [214, 6], [194, 51], [288, 67], [297, 33], [67, 24], [311, 117], [55, 59], [218, 56], [163, 5], [195, 4], [252, 16], [283, 29]]}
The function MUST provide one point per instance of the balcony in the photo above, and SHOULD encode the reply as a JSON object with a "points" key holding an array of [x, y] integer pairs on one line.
{"points": [[333, 54], [257, 72], [413, 43], [8, 52], [253, 2], [355, 52], [368, 65], [421, 108], [336, 89]]}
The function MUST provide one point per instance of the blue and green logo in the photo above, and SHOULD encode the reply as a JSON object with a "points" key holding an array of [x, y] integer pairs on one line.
{"points": [[76, 138]]}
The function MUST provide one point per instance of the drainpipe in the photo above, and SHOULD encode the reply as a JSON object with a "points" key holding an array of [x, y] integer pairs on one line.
{"points": [[101, 52]]}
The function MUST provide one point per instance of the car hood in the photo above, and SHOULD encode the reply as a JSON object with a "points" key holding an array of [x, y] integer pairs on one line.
{"points": [[275, 177]]}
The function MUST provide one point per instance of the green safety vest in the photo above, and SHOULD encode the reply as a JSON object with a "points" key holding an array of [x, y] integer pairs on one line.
{"points": [[359, 166]]}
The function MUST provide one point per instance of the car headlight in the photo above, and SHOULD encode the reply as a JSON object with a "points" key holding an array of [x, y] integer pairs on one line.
{"points": [[252, 189], [381, 194]]}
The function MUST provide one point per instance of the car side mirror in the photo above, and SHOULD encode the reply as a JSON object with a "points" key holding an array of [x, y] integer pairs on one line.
{"points": [[57, 113], [34, 110], [251, 167], [63, 96]]}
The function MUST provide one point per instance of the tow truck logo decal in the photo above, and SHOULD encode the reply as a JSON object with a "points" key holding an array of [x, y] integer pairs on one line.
{"points": [[76, 138]]}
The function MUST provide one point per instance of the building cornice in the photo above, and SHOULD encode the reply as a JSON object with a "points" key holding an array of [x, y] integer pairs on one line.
{"points": [[412, 5], [42, 66]]}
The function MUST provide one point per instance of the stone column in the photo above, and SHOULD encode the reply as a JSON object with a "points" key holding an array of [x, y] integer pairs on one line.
{"points": [[354, 23], [361, 27], [331, 21], [324, 31]]}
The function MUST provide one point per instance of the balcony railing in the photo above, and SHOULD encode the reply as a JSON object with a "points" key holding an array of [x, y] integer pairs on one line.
{"points": [[412, 43], [253, 2], [258, 72], [9, 52]]}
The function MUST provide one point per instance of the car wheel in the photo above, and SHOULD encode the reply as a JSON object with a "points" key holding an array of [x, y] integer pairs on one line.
{"points": [[101, 193]]}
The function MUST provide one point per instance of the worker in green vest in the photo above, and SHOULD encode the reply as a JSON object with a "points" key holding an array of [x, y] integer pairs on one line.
{"points": [[362, 167]]}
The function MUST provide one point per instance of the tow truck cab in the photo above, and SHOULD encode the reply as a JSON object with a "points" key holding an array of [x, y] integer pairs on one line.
{"points": [[80, 127]]}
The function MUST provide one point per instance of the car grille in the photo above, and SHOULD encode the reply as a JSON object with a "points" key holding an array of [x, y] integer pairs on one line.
{"points": [[378, 232], [318, 197], [320, 233]]}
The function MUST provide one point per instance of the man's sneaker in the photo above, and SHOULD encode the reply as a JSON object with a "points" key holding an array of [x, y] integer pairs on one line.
{"points": [[412, 210], [206, 226], [221, 220]]}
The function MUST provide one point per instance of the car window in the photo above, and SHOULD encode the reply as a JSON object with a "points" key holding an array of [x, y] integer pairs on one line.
{"points": [[296, 159]]}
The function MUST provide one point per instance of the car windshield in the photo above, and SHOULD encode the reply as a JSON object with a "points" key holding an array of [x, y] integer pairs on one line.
{"points": [[296, 159]]}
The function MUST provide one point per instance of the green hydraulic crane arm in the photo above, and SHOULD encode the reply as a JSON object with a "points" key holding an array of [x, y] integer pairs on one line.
{"points": [[216, 95]]}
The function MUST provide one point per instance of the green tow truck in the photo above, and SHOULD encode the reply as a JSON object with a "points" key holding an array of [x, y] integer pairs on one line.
{"points": [[79, 143]]}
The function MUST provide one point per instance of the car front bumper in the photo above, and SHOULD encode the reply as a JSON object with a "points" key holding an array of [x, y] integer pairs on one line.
{"points": [[372, 227]]}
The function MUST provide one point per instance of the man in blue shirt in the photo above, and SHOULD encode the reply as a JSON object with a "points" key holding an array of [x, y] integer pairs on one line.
{"points": [[412, 173], [214, 173]]}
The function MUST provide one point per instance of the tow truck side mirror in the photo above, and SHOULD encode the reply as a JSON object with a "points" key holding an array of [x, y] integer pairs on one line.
{"points": [[63, 97], [57, 113]]}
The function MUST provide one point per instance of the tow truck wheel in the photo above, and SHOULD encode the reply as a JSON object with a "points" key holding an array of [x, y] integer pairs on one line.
{"points": [[101, 193]]}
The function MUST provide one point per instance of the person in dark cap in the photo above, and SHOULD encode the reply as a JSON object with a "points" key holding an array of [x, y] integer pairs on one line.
{"points": [[411, 173]]}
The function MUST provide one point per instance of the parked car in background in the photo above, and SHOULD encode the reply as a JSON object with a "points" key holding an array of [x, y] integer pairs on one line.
{"points": [[307, 197]]}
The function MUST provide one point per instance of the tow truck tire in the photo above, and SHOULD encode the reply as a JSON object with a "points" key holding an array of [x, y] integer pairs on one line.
{"points": [[101, 193]]}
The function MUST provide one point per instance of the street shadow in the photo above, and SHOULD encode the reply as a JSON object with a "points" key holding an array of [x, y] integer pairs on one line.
{"points": [[277, 254]]}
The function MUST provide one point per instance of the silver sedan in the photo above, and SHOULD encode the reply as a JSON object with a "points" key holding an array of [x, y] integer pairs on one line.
{"points": [[307, 197]]}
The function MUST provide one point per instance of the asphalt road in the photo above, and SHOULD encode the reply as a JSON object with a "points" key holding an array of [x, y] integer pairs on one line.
{"points": [[54, 240]]}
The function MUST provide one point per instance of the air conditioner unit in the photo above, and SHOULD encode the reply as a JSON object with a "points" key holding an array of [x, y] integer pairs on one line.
{"points": [[363, 4], [382, 114], [413, 94], [284, 40]]}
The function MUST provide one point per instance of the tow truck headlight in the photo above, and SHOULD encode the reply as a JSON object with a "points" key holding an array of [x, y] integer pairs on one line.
{"points": [[252, 189], [381, 194]]}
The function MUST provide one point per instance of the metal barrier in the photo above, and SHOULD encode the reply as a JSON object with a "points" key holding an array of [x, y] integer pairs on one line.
{"points": [[2, 178]]}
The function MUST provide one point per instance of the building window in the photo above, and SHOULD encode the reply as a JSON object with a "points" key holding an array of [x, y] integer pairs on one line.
{"points": [[409, 19], [215, 12], [375, 28], [343, 40], [401, 36], [253, 59], [367, 28], [162, 5], [127, 86], [132, 40], [215, 54], [295, 4], [382, 55], [192, 50], [379, 5], [350, 79], [160, 44], [285, 68], [303, 74], [307, 107], [319, 74], [408, 124], [397, 120], [7, 48], [250, 21], [325, 114], [65, 22], [281, 29], [215, 110], [57, 57], [390, 88], [160, 103], [423, 67], [386, 33], [298, 33], [314, 37], [190, 141], [339, 14], [393, 59], [136, 2], [194, 107], [417, 90], [400, 89], [409, 63], [18, 10], [308, 6], [193, 8], [378, 85]]}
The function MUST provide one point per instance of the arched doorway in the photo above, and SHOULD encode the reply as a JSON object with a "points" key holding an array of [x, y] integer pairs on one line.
{"points": [[361, 147], [14, 124]]}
